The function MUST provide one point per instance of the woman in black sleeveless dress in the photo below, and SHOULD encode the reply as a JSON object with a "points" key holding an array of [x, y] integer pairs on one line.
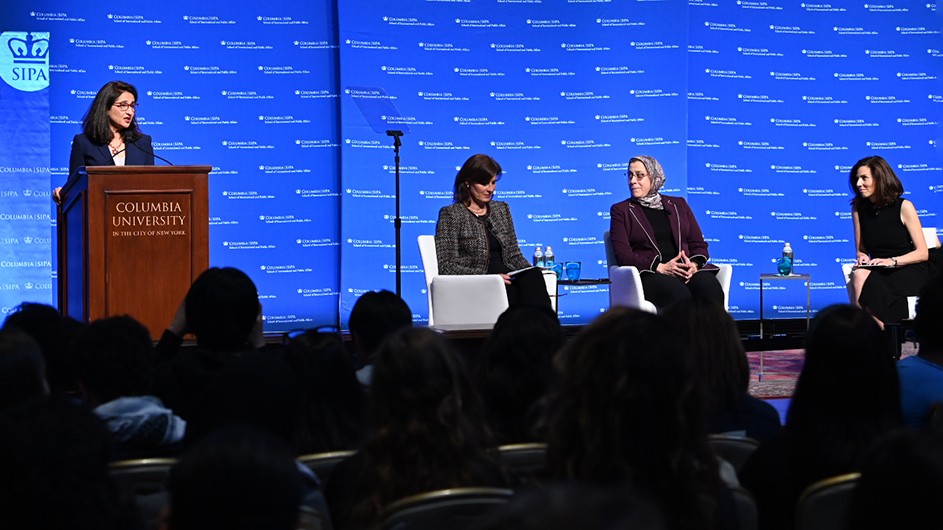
{"points": [[891, 262]]}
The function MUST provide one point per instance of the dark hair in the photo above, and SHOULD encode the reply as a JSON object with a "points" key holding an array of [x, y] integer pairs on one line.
{"points": [[930, 314], [720, 361], [429, 432], [887, 187], [22, 369], [478, 169], [335, 403], [375, 315], [54, 334], [625, 411], [239, 478], [513, 369], [847, 393], [904, 468], [96, 124], [115, 356], [54, 454], [221, 307]]}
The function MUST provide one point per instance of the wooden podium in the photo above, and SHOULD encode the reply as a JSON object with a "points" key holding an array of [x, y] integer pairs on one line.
{"points": [[131, 241]]}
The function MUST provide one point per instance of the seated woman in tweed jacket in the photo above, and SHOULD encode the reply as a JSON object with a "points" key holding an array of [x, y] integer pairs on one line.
{"points": [[475, 235]]}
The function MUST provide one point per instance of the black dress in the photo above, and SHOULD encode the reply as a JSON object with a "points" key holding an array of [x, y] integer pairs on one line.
{"points": [[883, 235]]}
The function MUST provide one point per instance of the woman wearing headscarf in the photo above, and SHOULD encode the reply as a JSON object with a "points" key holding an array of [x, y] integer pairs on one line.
{"points": [[659, 235]]}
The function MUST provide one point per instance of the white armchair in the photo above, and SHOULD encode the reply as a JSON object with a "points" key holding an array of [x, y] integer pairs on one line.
{"points": [[933, 241], [625, 287], [473, 300]]}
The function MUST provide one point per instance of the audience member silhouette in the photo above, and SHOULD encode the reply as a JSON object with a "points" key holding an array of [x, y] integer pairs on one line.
{"points": [[53, 333], [54, 456], [375, 316], [428, 432], [625, 411], [335, 403], [723, 372], [22, 369], [237, 478], [115, 358], [512, 371], [921, 376], [565, 506], [222, 310], [847, 395], [901, 484]]}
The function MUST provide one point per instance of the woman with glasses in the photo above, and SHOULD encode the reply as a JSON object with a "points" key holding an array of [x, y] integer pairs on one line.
{"points": [[110, 134], [659, 235]]}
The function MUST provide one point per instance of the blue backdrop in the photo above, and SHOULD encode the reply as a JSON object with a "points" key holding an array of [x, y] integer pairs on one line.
{"points": [[756, 109]]}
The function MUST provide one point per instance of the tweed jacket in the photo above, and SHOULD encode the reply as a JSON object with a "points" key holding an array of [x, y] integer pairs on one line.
{"points": [[461, 242], [633, 238]]}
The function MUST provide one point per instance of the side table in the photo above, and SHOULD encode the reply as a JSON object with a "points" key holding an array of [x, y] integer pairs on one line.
{"points": [[770, 277]]}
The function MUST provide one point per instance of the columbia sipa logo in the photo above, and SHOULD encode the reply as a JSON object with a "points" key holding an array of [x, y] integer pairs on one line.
{"points": [[24, 60]]}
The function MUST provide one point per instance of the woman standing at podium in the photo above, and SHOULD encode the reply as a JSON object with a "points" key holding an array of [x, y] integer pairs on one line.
{"points": [[110, 134]]}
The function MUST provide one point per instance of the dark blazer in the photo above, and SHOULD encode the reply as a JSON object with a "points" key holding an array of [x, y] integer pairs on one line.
{"points": [[633, 239], [86, 153], [461, 242]]}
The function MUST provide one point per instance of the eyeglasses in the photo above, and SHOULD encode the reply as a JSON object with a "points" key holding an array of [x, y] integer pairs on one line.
{"points": [[639, 176], [125, 106]]}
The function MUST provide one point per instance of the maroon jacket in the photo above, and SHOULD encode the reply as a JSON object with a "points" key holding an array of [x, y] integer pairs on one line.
{"points": [[633, 239]]}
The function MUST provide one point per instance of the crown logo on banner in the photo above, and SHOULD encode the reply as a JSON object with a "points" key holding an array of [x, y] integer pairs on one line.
{"points": [[29, 50]]}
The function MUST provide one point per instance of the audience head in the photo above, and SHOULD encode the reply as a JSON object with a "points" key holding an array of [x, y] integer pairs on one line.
{"points": [[930, 315], [335, 402], [904, 469], [54, 334], [375, 315], [54, 455], [478, 169], [625, 410], [713, 341], [887, 187], [22, 369], [513, 369], [238, 478], [114, 357], [222, 306]]}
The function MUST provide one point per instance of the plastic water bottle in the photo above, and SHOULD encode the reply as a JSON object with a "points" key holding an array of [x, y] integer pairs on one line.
{"points": [[539, 258], [785, 262], [548, 257]]}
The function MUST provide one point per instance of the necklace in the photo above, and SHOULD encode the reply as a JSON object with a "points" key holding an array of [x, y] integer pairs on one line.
{"points": [[115, 149], [479, 212]]}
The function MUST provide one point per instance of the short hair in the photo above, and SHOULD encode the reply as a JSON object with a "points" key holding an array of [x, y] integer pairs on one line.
{"points": [[54, 333], [22, 369], [478, 169], [930, 314], [887, 187], [221, 307], [115, 356], [238, 478], [376, 315], [96, 125]]}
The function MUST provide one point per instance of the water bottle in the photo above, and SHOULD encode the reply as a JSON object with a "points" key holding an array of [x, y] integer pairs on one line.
{"points": [[539, 258], [548, 257], [784, 264]]}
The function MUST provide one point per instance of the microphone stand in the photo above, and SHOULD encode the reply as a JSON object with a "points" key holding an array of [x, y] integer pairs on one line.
{"points": [[397, 222]]}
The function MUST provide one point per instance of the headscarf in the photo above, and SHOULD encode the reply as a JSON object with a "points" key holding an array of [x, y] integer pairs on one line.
{"points": [[657, 174]]}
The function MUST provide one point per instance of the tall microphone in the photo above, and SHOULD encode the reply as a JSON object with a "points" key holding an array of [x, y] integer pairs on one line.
{"points": [[129, 141]]}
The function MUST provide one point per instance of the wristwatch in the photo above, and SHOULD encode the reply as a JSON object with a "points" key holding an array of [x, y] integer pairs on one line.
{"points": [[895, 261]]}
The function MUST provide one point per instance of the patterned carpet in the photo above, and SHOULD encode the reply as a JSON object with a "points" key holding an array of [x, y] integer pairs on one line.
{"points": [[773, 374]]}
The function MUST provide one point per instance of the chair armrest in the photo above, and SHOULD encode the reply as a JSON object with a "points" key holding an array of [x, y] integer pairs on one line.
{"points": [[626, 289], [472, 299]]}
